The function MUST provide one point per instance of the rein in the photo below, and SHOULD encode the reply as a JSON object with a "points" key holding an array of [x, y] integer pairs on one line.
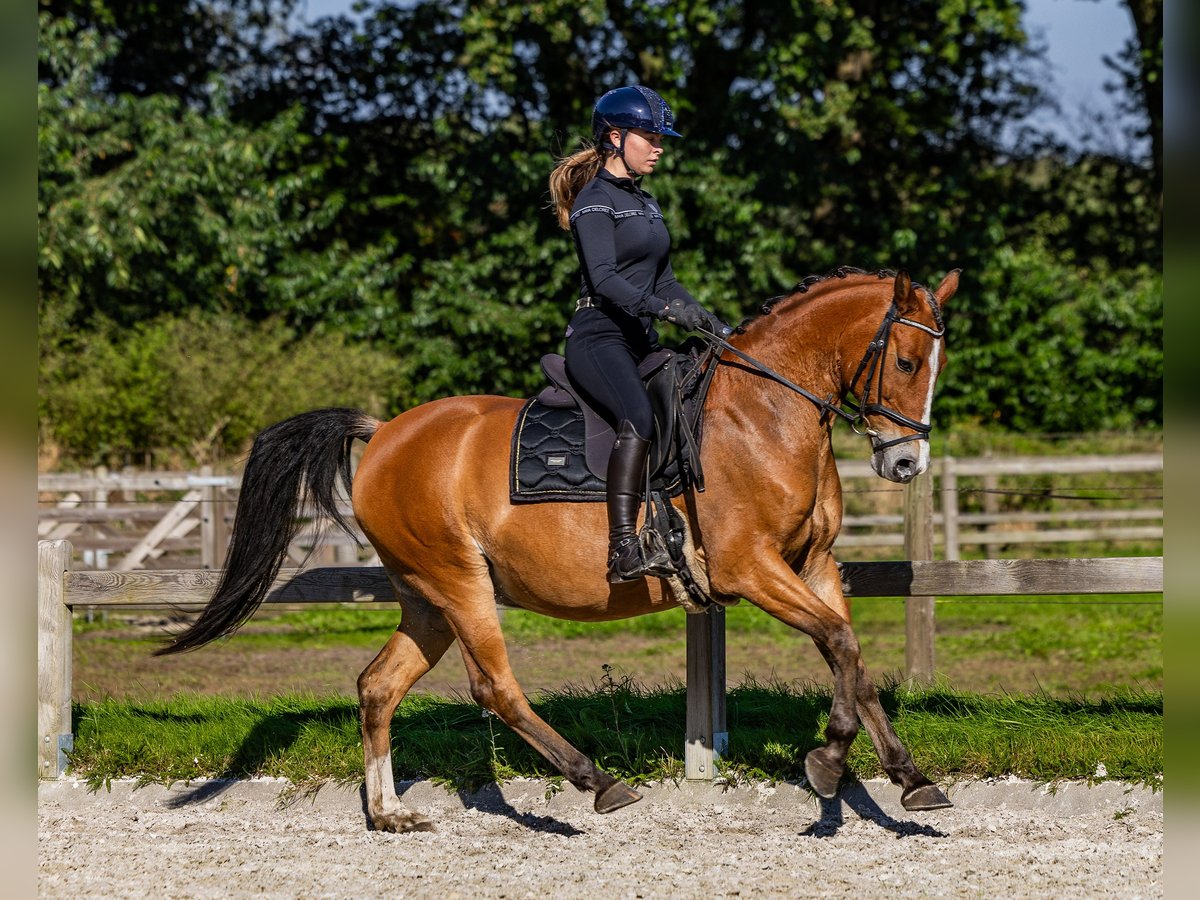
{"points": [[825, 404], [870, 365]]}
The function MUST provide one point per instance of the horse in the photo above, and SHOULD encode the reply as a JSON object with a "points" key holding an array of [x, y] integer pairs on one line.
{"points": [[431, 494]]}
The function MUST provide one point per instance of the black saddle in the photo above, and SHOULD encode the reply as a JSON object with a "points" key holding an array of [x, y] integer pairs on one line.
{"points": [[656, 370], [561, 445]]}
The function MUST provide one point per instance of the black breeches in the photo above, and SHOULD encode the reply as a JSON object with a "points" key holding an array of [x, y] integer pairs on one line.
{"points": [[604, 367]]}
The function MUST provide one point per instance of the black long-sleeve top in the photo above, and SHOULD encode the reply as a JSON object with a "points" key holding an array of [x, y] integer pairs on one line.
{"points": [[624, 254]]}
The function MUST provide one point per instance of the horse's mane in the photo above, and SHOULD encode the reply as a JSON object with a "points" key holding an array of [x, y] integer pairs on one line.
{"points": [[802, 286]]}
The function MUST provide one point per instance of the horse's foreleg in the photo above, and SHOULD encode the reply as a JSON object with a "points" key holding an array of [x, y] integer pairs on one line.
{"points": [[772, 586], [919, 793], [495, 688], [413, 649]]}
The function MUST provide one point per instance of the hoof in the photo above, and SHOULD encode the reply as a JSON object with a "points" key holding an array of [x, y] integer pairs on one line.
{"points": [[402, 822], [925, 797], [822, 777], [615, 796]]}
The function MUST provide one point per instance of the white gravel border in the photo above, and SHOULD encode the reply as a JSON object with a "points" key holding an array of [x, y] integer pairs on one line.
{"points": [[529, 838]]}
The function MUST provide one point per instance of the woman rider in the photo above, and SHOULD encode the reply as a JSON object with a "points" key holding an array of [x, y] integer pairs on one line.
{"points": [[627, 283]]}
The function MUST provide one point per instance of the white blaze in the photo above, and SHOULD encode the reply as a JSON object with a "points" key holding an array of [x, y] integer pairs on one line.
{"points": [[923, 457]]}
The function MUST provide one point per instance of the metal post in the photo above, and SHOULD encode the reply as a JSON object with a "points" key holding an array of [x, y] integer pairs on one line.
{"points": [[707, 735]]}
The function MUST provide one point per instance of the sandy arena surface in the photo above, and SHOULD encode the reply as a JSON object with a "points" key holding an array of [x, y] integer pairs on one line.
{"points": [[232, 839]]}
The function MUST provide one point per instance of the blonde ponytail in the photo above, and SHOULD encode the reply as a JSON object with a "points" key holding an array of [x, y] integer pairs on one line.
{"points": [[568, 179]]}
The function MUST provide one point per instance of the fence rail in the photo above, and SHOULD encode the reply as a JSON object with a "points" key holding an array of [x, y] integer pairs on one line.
{"points": [[61, 590], [94, 511]]}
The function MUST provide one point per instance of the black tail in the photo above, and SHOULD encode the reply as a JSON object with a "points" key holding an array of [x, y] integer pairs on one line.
{"points": [[293, 463]]}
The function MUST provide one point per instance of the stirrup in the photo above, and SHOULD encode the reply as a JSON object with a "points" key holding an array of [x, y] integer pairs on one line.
{"points": [[656, 560], [634, 558]]}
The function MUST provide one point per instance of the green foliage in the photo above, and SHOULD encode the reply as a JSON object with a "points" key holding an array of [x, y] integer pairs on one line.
{"points": [[147, 205], [386, 179], [1041, 346], [197, 385]]}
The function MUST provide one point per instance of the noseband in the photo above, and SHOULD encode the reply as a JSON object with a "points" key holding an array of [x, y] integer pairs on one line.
{"points": [[871, 367]]}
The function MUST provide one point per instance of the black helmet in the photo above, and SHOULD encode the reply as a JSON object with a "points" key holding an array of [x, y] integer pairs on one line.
{"points": [[632, 107]]}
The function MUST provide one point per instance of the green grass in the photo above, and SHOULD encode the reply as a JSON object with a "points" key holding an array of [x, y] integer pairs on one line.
{"points": [[1085, 644], [1079, 628], [633, 732]]}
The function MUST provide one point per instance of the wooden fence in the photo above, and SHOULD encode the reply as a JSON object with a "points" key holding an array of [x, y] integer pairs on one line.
{"points": [[98, 511], [61, 590]]}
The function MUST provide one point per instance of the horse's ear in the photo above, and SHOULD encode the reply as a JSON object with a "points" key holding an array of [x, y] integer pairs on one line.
{"points": [[947, 288], [902, 295]]}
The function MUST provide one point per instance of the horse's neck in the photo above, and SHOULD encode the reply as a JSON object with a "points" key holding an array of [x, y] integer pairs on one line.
{"points": [[807, 339], [807, 336]]}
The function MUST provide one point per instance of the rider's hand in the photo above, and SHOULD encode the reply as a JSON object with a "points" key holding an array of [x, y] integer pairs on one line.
{"points": [[687, 315], [718, 327]]}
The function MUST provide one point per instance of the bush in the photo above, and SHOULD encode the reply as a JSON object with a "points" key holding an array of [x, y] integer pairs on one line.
{"points": [[1038, 345], [196, 387]]}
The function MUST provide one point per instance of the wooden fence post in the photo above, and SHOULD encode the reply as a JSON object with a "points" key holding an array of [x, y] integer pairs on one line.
{"points": [[707, 735], [55, 739], [950, 507], [99, 501], [918, 611], [991, 505], [213, 539]]}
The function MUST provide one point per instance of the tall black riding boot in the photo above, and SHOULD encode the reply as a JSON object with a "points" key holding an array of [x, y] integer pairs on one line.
{"points": [[626, 481]]}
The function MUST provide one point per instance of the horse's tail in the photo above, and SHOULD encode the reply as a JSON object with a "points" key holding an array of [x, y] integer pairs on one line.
{"points": [[293, 464]]}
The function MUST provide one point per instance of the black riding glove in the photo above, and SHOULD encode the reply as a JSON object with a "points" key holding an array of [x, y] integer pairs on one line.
{"points": [[717, 327], [691, 316]]}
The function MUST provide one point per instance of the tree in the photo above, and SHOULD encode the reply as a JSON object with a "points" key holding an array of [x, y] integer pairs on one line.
{"points": [[146, 205], [385, 179], [174, 48], [1140, 68]]}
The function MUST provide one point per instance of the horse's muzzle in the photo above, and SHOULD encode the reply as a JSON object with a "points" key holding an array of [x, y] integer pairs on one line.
{"points": [[901, 463]]}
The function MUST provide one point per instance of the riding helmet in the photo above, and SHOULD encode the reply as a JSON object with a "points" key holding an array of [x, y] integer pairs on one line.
{"points": [[632, 107]]}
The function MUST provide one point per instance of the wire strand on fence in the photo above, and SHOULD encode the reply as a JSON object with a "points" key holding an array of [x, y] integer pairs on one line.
{"points": [[984, 601]]}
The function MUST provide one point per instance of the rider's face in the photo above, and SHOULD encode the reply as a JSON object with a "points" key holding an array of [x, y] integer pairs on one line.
{"points": [[642, 149]]}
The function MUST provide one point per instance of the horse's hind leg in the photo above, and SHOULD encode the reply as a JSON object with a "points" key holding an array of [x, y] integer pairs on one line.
{"points": [[413, 649], [494, 687]]}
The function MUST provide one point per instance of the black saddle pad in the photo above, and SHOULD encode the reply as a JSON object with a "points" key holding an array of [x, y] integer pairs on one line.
{"points": [[548, 460]]}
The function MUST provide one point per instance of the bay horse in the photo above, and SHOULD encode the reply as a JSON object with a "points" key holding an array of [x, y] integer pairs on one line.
{"points": [[431, 493]]}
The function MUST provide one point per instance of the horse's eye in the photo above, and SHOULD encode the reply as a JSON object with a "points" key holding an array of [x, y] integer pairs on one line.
{"points": [[905, 365]]}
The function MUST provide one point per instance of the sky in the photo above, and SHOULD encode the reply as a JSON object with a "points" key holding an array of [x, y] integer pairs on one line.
{"points": [[1078, 35]]}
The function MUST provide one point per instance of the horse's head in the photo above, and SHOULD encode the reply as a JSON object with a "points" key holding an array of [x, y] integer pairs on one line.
{"points": [[895, 380]]}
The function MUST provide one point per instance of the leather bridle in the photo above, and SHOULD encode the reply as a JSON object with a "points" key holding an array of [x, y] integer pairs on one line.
{"points": [[870, 367]]}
